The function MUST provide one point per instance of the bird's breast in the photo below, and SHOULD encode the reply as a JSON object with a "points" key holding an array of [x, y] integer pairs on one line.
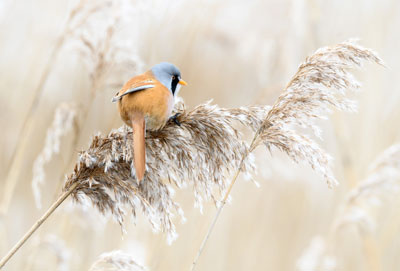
{"points": [[155, 104]]}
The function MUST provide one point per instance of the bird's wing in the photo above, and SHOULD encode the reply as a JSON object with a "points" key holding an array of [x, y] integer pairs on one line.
{"points": [[134, 86]]}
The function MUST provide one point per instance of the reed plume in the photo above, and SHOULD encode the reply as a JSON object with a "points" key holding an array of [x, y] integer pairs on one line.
{"points": [[208, 136], [321, 81], [319, 84], [315, 257], [116, 261], [64, 121], [208, 147], [381, 185]]}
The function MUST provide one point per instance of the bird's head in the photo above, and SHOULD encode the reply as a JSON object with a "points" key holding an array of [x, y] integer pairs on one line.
{"points": [[169, 75]]}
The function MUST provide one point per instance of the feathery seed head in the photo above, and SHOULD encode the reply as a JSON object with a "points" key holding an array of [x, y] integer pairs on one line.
{"points": [[208, 147]]}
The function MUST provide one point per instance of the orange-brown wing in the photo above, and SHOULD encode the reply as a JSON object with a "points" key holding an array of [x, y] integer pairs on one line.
{"points": [[135, 84]]}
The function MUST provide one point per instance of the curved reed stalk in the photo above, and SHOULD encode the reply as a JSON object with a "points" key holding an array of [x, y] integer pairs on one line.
{"points": [[35, 226]]}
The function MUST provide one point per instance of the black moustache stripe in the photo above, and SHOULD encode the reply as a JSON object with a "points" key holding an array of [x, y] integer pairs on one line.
{"points": [[174, 83]]}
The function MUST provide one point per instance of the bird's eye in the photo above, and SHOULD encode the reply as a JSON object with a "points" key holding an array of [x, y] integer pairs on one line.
{"points": [[173, 77]]}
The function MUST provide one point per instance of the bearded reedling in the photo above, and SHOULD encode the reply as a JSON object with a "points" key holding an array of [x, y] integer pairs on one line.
{"points": [[145, 102]]}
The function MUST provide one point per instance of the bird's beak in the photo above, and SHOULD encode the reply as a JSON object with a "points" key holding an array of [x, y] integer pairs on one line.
{"points": [[182, 82]]}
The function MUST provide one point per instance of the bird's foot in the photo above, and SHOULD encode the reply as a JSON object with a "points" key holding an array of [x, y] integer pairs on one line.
{"points": [[174, 118]]}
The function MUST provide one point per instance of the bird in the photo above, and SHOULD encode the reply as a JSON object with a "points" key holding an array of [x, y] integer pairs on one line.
{"points": [[145, 102]]}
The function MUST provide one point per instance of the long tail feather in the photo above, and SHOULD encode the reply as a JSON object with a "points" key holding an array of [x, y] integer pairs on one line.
{"points": [[139, 149]]}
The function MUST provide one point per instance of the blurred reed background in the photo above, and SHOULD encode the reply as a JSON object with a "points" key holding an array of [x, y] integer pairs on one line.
{"points": [[62, 61]]}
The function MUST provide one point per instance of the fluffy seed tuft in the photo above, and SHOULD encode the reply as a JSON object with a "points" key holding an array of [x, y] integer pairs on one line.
{"points": [[208, 147]]}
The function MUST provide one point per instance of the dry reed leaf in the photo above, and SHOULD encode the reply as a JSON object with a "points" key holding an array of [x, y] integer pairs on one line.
{"points": [[64, 121], [116, 261], [208, 148]]}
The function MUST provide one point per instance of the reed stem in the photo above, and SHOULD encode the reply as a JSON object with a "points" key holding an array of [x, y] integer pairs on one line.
{"points": [[223, 202], [37, 224]]}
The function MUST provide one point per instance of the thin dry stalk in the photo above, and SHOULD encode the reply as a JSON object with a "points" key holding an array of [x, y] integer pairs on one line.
{"points": [[35, 226], [219, 211]]}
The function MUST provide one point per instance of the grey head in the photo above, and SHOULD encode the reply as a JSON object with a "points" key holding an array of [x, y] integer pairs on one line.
{"points": [[169, 75]]}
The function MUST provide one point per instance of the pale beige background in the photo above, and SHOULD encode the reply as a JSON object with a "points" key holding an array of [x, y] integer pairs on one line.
{"points": [[237, 53]]}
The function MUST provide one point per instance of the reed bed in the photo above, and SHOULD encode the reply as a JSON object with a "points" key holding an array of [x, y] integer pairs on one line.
{"points": [[289, 220]]}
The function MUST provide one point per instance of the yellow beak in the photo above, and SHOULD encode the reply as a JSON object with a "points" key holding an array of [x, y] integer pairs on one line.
{"points": [[181, 82]]}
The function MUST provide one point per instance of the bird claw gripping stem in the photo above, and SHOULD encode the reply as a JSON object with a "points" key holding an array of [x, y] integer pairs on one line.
{"points": [[174, 118]]}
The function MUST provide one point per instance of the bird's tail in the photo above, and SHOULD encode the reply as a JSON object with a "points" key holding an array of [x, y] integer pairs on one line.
{"points": [[139, 149]]}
